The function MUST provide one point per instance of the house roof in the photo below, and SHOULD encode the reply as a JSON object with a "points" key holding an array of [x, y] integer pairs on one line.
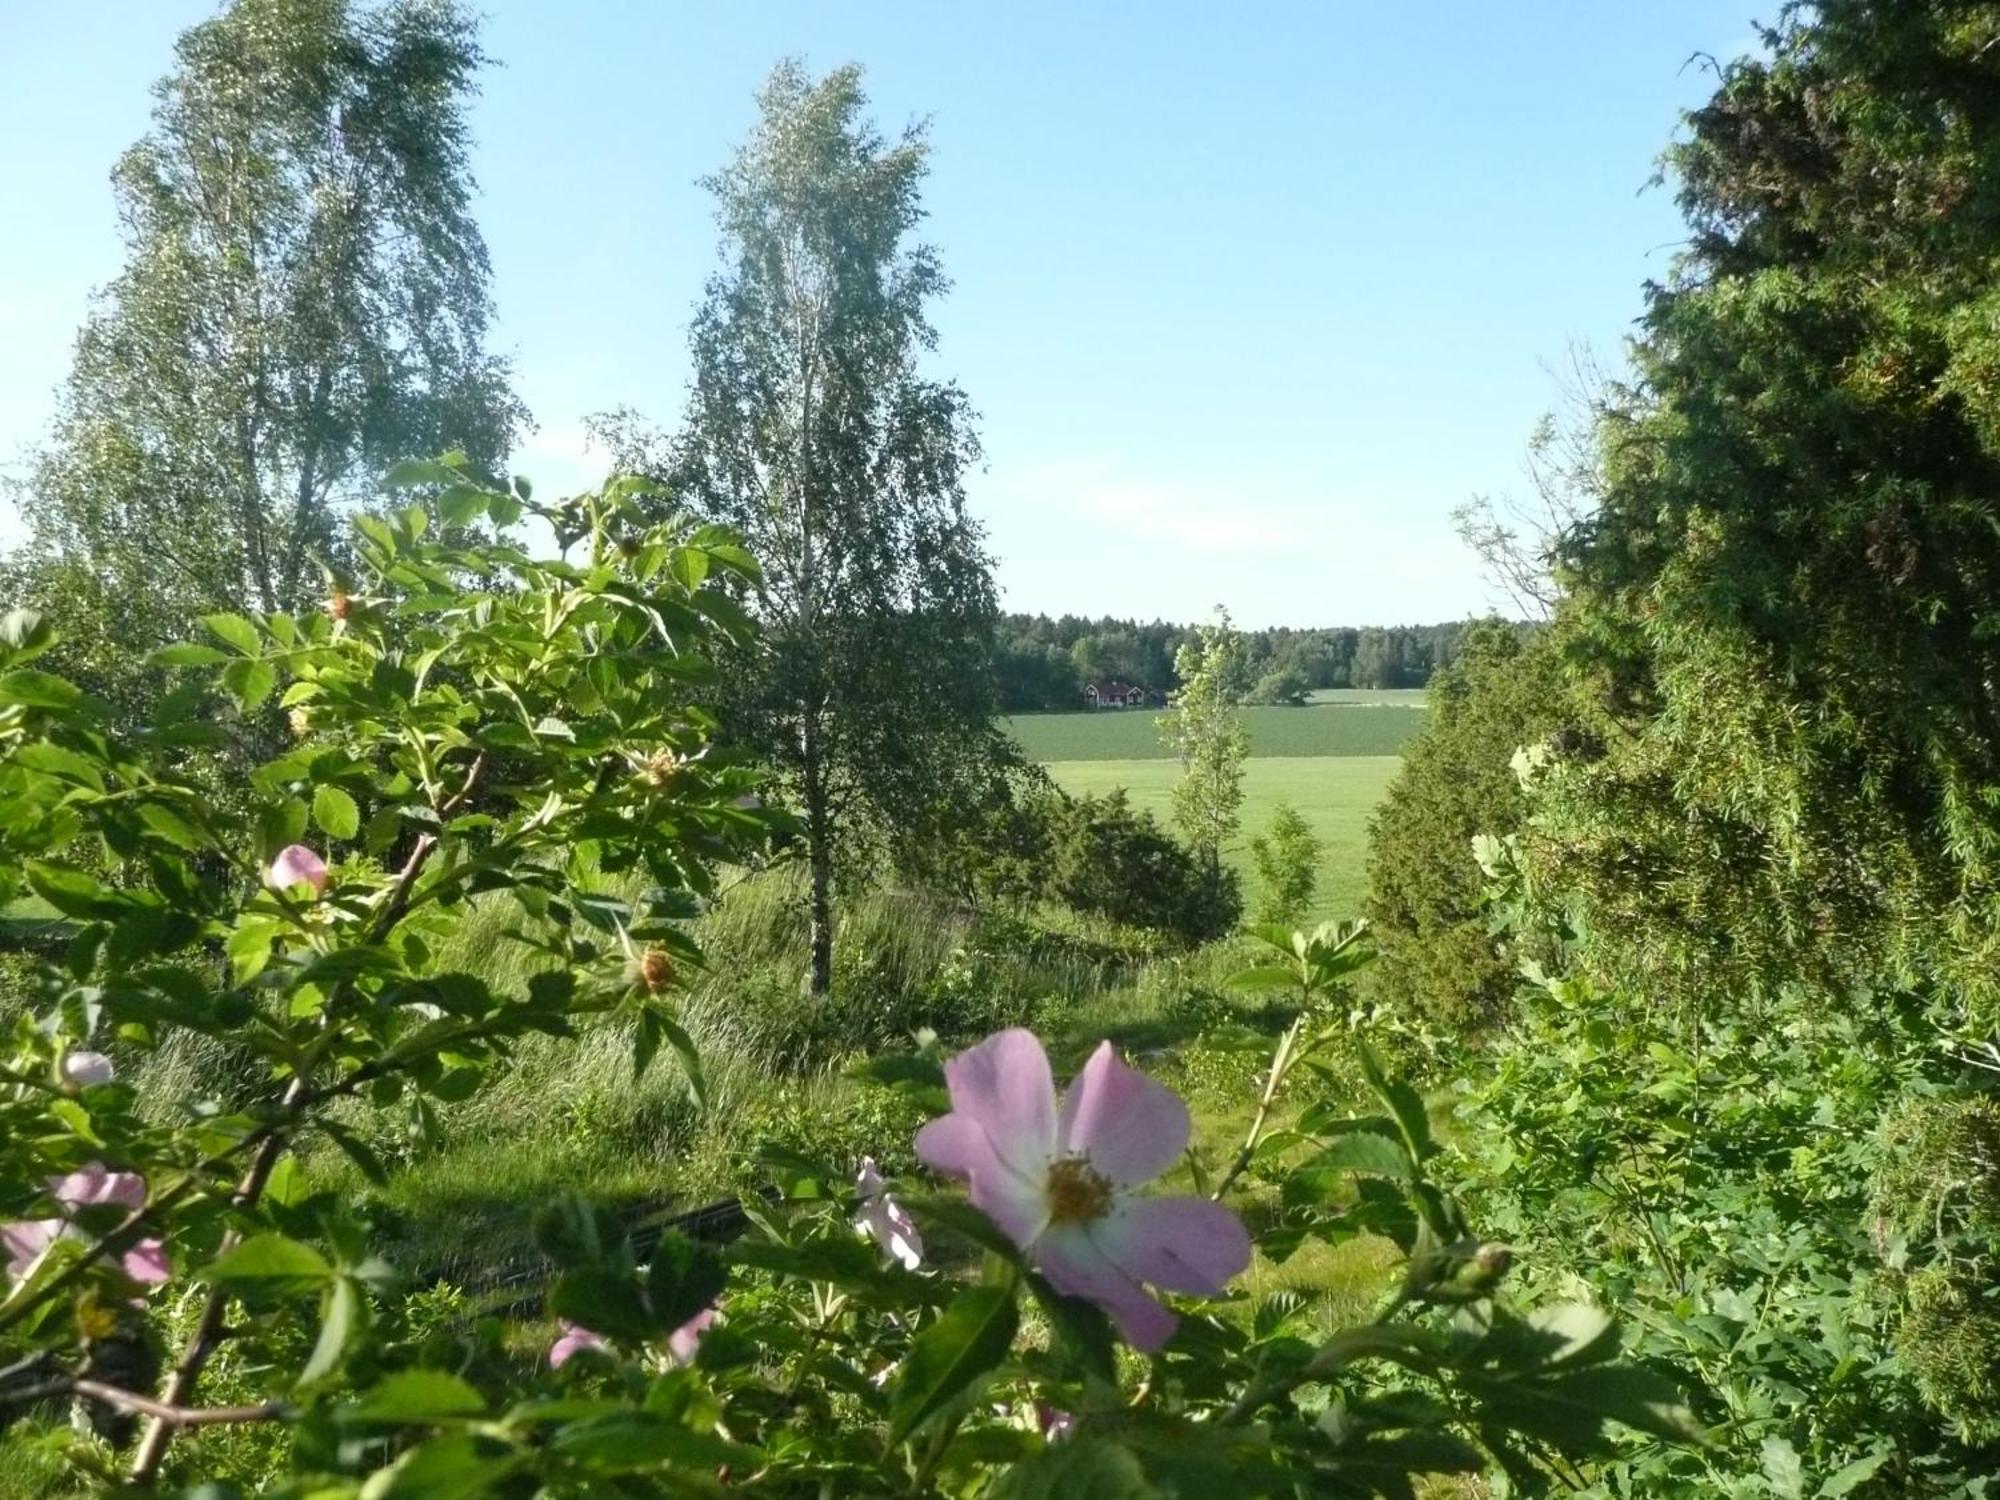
{"points": [[1113, 689]]}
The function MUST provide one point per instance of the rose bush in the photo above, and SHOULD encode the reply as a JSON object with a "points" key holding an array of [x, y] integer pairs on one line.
{"points": [[474, 725]]}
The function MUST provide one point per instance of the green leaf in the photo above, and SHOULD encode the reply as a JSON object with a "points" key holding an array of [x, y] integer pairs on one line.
{"points": [[1364, 1152], [357, 1151], [187, 654], [685, 1278], [1081, 1469], [33, 689], [249, 681], [690, 1059], [604, 1300], [340, 1314], [334, 811], [1403, 1102], [171, 825], [970, 1339], [625, 1440], [234, 631], [249, 947], [417, 1396], [456, 1466], [1844, 1480], [270, 1257], [1782, 1468], [278, 824]]}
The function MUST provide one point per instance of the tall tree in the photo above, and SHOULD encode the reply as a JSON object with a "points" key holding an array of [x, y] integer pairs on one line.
{"points": [[812, 429], [304, 300], [1205, 731], [1787, 595]]}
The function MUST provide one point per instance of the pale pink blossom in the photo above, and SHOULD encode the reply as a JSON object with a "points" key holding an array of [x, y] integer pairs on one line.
{"points": [[86, 1069], [295, 865], [681, 1343], [25, 1240], [575, 1339], [1061, 1181], [885, 1220], [686, 1339]]}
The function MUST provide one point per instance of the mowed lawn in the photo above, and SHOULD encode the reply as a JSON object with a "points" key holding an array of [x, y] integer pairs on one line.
{"points": [[1351, 727], [1335, 794]]}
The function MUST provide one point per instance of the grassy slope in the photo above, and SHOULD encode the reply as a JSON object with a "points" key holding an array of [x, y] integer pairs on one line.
{"points": [[1336, 794], [1353, 728]]}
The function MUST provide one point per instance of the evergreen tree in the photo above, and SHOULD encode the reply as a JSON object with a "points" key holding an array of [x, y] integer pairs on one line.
{"points": [[1787, 597], [1426, 902], [304, 301]]}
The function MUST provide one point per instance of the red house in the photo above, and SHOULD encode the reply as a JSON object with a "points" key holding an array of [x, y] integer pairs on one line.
{"points": [[1113, 694]]}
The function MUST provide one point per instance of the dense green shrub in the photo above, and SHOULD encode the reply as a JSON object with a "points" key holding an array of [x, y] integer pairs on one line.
{"points": [[1286, 855], [1717, 1182], [1105, 858], [1426, 905]]}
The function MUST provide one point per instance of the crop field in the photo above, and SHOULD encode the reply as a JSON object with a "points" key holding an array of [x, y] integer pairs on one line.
{"points": [[1347, 727], [1335, 794]]}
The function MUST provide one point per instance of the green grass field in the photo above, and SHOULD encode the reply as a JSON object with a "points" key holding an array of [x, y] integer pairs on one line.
{"points": [[1345, 728], [1335, 793], [1372, 697]]}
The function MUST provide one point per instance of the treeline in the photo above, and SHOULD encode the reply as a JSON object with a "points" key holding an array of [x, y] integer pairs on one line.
{"points": [[1044, 663]]}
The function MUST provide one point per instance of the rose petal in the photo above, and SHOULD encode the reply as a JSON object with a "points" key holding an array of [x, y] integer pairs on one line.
{"points": [[87, 1069], [96, 1183], [295, 864], [686, 1339], [146, 1263], [1130, 1127], [1076, 1267], [25, 1241], [1181, 1244], [1005, 1086], [889, 1224], [868, 1181], [960, 1147], [575, 1339]]}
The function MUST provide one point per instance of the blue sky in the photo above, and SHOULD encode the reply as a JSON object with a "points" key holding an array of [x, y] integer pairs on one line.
{"points": [[1249, 296]]}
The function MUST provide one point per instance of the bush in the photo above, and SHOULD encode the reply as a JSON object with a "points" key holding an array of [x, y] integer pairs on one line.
{"points": [[1287, 858], [1107, 859], [1426, 900]]}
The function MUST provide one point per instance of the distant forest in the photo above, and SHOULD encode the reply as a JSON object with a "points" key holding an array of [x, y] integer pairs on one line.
{"points": [[1044, 663]]}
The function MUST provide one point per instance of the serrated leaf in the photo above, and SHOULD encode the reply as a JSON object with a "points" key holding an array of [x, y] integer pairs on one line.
{"points": [[35, 689], [684, 1278], [334, 811], [235, 632], [270, 1257], [416, 1396]]}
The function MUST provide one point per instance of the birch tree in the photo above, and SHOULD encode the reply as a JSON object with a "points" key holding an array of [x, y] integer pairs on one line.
{"points": [[813, 430]]}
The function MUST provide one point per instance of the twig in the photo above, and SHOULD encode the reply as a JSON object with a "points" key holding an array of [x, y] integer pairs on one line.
{"points": [[1281, 1063], [159, 1411], [208, 1329]]}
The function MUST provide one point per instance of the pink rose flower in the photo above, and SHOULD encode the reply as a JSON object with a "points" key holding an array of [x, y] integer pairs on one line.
{"points": [[297, 865], [686, 1339], [86, 1069], [25, 1240], [681, 1343], [1060, 1181], [885, 1220], [575, 1339]]}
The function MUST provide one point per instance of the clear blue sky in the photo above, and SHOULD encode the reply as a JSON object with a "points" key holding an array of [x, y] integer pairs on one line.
{"points": [[1249, 295]]}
